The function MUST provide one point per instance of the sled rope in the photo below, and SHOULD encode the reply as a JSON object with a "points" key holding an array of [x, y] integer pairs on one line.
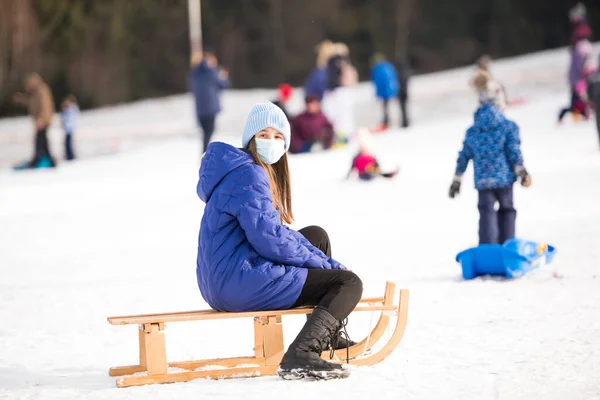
{"points": [[369, 335]]}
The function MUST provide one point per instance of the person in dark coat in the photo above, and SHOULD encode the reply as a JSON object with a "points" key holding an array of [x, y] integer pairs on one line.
{"points": [[206, 82], [250, 260], [494, 145], [310, 127]]}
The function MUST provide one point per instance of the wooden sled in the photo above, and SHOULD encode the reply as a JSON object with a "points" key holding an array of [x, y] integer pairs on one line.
{"points": [[268, 343]]}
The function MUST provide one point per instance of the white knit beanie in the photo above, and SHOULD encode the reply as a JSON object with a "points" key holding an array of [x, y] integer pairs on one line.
{"points": [[264, 115]]}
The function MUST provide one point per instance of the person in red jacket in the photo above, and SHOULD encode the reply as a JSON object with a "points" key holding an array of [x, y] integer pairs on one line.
{"points": [[364, 165], [310, 127]]}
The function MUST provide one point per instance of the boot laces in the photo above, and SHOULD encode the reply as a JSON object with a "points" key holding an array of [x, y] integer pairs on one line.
{"points": [[335, 338]]}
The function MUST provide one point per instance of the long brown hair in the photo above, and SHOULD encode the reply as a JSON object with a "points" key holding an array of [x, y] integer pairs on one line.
{"points": [[279, 183]]}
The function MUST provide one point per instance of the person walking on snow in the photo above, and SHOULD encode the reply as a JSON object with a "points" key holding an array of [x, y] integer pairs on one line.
{"points": [[206, 83], [494, 145], [40, 103], [385, 79], [250, 260]]}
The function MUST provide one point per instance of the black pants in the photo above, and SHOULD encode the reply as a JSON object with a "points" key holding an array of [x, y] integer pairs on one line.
{"points": [[386, 113], [208, 128], [69, 154], [403, 97], [337, 291], [496, 226], [41, 148]]}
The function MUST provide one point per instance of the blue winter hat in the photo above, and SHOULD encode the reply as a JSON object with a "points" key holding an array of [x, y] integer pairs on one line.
{"points": [[264, 115]]}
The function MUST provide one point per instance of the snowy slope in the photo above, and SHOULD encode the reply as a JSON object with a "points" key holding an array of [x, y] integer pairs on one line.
{"points": [[117, 235]]}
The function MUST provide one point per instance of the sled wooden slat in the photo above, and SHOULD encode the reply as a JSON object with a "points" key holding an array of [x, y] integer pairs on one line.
{"points": [[211, 314], [246, 372], [268, 343]]}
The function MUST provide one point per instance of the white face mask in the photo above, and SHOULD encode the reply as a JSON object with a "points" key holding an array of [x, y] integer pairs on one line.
{"points": [[270, 150]]}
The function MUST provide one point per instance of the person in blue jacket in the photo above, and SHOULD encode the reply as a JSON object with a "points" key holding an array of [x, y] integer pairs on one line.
{"points": [[385, 79], [250, 260], [494, 145], [206, 82]]}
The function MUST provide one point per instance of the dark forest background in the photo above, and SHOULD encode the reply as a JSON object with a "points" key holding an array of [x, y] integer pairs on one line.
{"points": [[111, 51]]}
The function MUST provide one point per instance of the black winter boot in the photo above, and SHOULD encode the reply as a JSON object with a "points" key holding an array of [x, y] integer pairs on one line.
{"points": [[303, 357], [340, 344]]}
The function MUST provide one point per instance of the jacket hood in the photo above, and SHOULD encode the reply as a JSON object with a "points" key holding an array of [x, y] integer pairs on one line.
{"points": [[488, 116], [219, 160]]}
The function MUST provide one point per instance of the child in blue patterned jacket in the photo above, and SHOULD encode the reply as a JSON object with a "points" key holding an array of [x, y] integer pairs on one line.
{"points": [[68, 116], [493, 143]]}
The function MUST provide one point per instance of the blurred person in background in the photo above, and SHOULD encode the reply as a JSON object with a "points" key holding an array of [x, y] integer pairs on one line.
{"points": [[283, 96], [311, 127], [316, 84], [68, 116], [38, 99], [338, 102], [485, 85], [404, 77], [489, 91], [206, 82], [580, 51], [580, 55], [581, 29], [385, 79], [364, 165]]}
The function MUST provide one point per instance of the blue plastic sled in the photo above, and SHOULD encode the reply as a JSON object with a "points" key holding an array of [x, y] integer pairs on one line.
{"points": [[513, 259], [43, 163]]}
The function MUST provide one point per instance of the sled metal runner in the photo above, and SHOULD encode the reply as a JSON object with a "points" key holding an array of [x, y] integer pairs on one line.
{"points": [[268, 343]]}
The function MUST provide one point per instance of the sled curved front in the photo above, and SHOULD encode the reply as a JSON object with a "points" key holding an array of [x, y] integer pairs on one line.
{"points": [[401, 319], [375, 335]]}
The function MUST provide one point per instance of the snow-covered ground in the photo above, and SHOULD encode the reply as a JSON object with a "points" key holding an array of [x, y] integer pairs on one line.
{"points": [[117, 235]]}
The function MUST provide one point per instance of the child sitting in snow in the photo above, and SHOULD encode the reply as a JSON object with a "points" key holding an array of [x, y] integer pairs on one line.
{"points": [[494, 145], [311, 127], [364, 164]]}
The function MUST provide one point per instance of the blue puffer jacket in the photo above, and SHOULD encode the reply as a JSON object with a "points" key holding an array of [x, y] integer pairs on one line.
{"points": [[206, 85], [247, 260], [493, 144], [385, 78]]}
